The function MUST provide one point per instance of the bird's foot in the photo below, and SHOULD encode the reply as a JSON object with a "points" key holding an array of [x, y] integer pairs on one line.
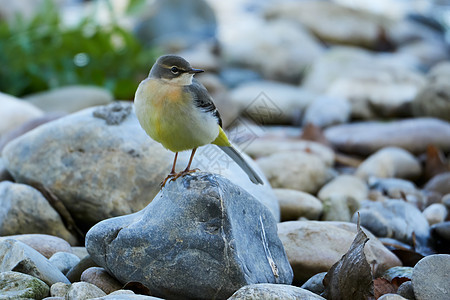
{"points": [[175, 176], [168, 178], [185, 172]]}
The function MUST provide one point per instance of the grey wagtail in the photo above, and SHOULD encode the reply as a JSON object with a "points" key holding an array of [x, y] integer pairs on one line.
{"points": [[177, 111]]}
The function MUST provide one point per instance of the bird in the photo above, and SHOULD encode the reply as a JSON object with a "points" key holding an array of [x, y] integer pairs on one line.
{"points": [[177, 111]]}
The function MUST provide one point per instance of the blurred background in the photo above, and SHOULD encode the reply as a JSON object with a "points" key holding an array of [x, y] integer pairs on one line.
{"points": [[45, 44]]}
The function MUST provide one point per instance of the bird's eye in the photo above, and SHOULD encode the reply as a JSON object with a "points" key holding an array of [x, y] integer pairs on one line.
{"points": [[174, 70]]}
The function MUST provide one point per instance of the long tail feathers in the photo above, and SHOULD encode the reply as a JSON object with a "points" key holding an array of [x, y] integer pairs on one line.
{"points": [[237, 157]]}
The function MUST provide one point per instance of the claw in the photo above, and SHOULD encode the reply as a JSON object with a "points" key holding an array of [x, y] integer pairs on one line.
{"points": [[175, 176]]}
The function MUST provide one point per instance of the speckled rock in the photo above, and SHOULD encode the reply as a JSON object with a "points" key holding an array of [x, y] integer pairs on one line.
{"points": [[430, 278], [295, 170], [25, 210], [208, 238], [273, 291], [15, 285], [59, 289], [390, 162], [314, 246], [296, 204], [83, 290]]}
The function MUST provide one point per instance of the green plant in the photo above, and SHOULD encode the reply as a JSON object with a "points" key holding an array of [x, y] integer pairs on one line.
{"points": [[41, 54]]}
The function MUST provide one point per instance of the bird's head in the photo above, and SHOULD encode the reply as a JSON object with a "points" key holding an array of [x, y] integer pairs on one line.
{"points": [[173, 69]]}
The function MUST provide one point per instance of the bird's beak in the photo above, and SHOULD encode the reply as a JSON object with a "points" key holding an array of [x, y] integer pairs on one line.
{"points": [[195, 71]]}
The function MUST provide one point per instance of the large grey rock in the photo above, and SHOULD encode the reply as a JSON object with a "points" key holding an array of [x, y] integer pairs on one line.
{"points": [[100, 163], [70, 99], [15, 285], [394, 219], [413, 135], [16, 256], [314, 246], [431, 277], [390, 162], [202, 237], [273, 291], [15, 112], [23, 209], [84, 290]]}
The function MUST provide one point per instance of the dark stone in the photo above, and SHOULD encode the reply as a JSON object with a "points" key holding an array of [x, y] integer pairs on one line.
{"points": [[441, 236], [315, 283], [202, 237]]}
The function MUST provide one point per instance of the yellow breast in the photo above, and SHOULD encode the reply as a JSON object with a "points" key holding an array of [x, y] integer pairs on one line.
{"points": [[170, 117]]}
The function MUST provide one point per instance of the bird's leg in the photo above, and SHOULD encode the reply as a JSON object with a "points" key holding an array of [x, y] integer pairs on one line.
{"points": [[172, 173], [174, 163], [188, 168]]}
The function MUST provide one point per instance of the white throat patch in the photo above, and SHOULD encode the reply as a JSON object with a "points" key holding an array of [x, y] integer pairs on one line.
{"points": [[183, 79]]}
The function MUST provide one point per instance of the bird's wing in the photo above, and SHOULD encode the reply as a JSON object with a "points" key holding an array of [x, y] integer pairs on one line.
{"points": [[203, 100]]}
